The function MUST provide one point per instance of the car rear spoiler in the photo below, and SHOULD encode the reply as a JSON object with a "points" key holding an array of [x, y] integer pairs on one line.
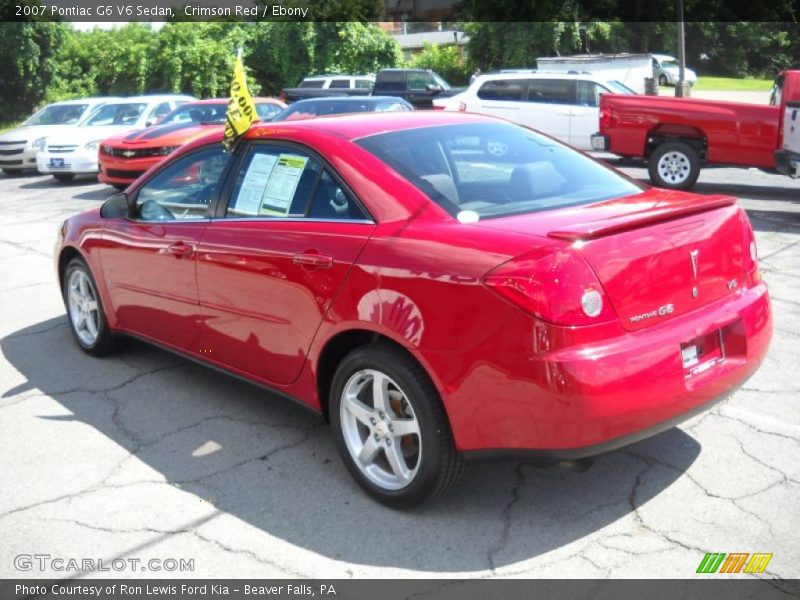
{"points": [[662, 211]]}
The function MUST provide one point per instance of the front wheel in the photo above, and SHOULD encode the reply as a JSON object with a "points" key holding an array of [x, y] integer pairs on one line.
{"points": [[390, 427], [12, 172], [87, 318], [662, 80], [674, 165]]}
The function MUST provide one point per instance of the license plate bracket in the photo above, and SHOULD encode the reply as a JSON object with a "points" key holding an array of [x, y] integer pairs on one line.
{"points": [[702, 353]]}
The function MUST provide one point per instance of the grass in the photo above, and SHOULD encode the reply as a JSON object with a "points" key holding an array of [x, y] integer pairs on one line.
{"points": [[7, 126], [729, 84]]}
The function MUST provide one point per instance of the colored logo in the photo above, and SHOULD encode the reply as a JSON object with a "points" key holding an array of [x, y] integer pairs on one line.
{"points": [[736, 562]]}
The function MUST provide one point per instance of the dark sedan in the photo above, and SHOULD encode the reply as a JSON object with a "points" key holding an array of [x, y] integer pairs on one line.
{"points": [[320, 107]]}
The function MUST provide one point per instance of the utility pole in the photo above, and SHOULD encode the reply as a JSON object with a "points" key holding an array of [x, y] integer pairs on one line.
{"points": [[681, 87]]}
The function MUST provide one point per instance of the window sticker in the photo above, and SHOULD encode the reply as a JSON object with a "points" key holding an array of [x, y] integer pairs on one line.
{"points": [[255, 182], [282, 184], [269, 185]]}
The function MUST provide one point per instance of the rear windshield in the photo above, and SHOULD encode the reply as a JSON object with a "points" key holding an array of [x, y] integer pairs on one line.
{"points": [[485, 170]]}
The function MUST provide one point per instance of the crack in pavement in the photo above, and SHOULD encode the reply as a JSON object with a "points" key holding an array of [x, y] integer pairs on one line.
{"points": [[505, 515]]}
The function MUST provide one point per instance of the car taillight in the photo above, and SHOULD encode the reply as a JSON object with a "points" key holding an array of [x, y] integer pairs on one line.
{"points": [[553, 284], [462, 106], [750, 251], [438, 107], [282, 96]]}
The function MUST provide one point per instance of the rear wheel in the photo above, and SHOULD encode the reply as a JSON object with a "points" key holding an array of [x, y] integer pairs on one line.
{"points": [[674, 165], [64, 176], [390, 427], [87, 318]]}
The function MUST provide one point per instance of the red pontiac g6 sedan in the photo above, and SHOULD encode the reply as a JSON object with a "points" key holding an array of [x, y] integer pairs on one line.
{"points": [[434, 300]]}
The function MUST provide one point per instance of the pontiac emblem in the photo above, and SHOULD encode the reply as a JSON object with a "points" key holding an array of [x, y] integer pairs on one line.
{"points": [[693, 255], [131, 153]]}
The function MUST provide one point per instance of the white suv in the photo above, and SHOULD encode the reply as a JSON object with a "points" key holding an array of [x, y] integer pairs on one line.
{"points": [[563, 105]]}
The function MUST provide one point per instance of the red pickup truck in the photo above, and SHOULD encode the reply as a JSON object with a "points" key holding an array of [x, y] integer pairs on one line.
{"points": [[679, 135]]}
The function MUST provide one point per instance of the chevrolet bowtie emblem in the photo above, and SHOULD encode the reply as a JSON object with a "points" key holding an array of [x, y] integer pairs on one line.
{"points": [[130, 153]]}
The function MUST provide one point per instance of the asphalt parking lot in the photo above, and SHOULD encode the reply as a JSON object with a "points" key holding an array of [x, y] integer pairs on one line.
{"points": [[147, 455]]}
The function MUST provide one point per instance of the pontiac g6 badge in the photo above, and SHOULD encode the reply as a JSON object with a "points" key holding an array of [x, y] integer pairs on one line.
{"points": [[661, 311]]}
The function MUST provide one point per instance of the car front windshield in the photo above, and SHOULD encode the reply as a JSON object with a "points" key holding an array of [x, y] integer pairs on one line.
{"points": [[486, 170], [58, 114], [669, 63], [198, 113], [440, 81], [127, 113]]}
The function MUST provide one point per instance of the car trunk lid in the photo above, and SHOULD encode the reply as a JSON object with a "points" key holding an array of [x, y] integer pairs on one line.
{"points": [[664, 256]]}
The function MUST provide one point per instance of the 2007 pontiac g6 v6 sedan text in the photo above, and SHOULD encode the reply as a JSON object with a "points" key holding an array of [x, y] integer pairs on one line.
{"points": [[440, 286]]}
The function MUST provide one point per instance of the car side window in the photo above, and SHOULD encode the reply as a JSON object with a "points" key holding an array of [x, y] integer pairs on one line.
{"points": [[340, 84], [550, 91], [183, 190], [418, 82], [332, 201], [277, 182], [503, 89], [274, 182], [363, 84], [588, 93]]}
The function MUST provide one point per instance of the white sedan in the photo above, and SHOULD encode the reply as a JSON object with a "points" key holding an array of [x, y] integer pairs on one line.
{"points": [[73, 151], [18, 146]]}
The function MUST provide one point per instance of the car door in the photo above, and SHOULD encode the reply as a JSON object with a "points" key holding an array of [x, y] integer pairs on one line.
{"points": [[501, 98], [149, 261], [547, 107], [418, 93], [585, 114], [273, 258]]}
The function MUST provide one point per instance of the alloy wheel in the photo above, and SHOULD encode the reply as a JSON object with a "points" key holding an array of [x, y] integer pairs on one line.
{"points": [[381, 429], [83, 308]]}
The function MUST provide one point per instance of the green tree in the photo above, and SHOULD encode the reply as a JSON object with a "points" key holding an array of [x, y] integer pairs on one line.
{"points": [[27, 67], [447, 61], [197, 57]]}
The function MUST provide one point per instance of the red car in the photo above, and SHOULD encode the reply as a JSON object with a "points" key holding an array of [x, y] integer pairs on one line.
{"points": [[126, 156], [678, 136], [434, 301]]}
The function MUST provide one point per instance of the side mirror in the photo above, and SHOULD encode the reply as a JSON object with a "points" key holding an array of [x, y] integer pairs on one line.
{"points": [[116, 207], [151, 121], [433, 88]]}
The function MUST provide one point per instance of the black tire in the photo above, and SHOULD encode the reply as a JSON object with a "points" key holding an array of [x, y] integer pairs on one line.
{"points": [[662, 80], [106, 342], [63, 176], [687, 164], [440, 467], [12, 172], [120, 186]]}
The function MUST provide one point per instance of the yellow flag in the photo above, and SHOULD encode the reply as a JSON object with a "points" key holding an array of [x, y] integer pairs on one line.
{"points": [[241, 109]]}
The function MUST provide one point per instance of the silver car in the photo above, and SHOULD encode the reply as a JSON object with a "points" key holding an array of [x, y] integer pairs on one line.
{"points": [[665, 70]]}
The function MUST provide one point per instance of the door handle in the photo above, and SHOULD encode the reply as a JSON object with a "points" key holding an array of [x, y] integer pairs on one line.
{"points": [[180, 249], [313, 261]]}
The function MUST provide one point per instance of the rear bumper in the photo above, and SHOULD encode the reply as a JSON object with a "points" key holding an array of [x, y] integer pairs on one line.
{"points": [[788, 163], [586, 399], [600, 142]]}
